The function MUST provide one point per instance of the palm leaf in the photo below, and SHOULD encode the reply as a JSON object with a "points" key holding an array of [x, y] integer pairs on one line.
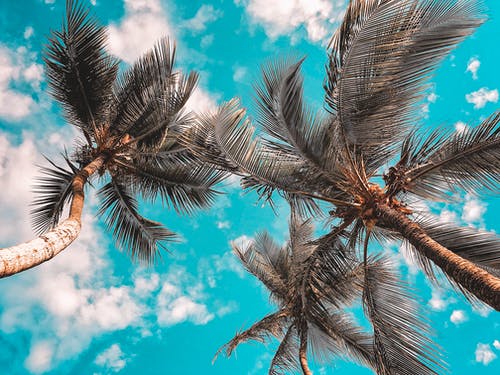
{"points": [[286, 356], [148, 98], [271, 325], [380, 61], [54, 191], [140, 237], [184, 186], [442, 163], [402, 340], [80, 73]]}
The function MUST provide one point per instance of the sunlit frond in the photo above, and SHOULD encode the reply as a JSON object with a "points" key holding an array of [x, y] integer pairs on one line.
{"points": [[402, 337], [469, 160], [80, 73], [286, 357], [53, 191], [381, 58], [140, 237]]}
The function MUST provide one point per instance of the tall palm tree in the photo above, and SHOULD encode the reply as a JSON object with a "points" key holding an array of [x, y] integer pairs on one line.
{"points": [[129, 126], [313, 283], [379, 64]]}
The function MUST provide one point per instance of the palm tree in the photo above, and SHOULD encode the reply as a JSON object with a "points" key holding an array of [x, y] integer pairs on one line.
{"points": [[379, 63], [312, 283], [129, 126]]}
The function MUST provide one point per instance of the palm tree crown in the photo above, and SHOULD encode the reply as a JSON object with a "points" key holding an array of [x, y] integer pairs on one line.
{"points": [[313, 283], [130, 124], [379, 63]]}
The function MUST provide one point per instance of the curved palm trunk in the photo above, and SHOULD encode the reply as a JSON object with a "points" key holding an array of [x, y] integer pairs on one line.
{"points": [[482, 284], [21, 257], [303, 353]]}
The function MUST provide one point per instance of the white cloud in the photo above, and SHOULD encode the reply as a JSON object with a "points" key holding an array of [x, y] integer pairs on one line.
{"points": [[461, 127], [432, 97], [239, 73], [285, 17], [473, 210], [437, 303], [28, 32], [174, 308], [484, 354], [204, 15], [112, 358], [201, 101], [13, 104], [223, 224], [473, 66], [206, 41], [458, 317], [481, 97], [50, 1], [40, 357], [496, 344], [144, 24]]}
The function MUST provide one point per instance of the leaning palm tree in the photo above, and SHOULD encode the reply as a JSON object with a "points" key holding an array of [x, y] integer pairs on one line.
{"points": [[313, 283], [129, 126], [379, 63]]}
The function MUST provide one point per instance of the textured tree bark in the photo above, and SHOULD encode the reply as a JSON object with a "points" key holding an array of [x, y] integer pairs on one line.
{"points": [[479, 282], [24, 256], [303, 353]]}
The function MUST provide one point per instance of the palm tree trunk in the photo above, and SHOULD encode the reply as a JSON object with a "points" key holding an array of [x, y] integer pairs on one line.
{"points": [[303, 353], [477, 281], [21, 257]]}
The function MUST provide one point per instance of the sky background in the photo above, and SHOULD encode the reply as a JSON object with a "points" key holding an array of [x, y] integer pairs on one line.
{"points": [[91, 310]]}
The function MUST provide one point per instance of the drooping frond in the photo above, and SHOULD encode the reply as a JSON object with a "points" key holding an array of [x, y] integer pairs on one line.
{"points": [[268, 168], [284, 116], [53, 191], [402, 337], [479, 246], [80, 73], [265, 259], [468, 160], [380, 60], [272, 325], [140, 237], [184, 186], [286, 357], [150, 96]]}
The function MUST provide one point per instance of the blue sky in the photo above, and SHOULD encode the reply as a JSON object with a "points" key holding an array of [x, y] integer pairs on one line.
{"points": [[90, 310]]}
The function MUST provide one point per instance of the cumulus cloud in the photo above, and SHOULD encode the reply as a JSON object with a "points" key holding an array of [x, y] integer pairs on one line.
{"points": [[201, 101], [473, 66], [461, 127], [28, 32], [458, 317], [496, 344], [473, 210], [16, 66], [484, 354], [285, 17], [112, 358], [205, 15], [481, 97], [144, 23], [239, 73], [437, 303], [40, 357]]}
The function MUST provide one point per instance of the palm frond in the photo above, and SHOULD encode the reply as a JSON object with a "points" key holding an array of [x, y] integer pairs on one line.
{"points": [[286, 357], [140, 237], [184, 186], [380, 60], [402, 337], [272, 325], [53, 191], [80, 73], [150, 96], [284, 116], [443, 162], [265, 260]]}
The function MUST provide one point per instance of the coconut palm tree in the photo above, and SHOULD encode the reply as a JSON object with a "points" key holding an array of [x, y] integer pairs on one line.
{"points": [[379, 64], [312, 283], [129, 124]]}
